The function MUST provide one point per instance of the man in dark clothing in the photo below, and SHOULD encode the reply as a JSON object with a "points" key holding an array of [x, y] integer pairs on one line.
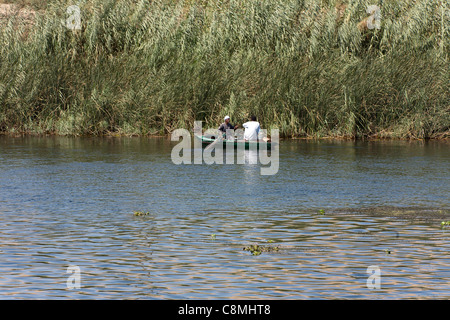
{"points": [[226, 125]]}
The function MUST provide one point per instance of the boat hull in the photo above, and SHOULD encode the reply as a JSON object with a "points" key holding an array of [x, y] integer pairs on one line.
{"points": [[236, 143]]}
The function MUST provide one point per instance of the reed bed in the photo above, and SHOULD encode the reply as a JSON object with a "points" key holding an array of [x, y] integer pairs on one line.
{"points": [[308, 67]]}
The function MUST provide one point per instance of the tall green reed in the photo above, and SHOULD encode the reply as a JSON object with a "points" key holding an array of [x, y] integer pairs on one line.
{"points": [[305, 67]]}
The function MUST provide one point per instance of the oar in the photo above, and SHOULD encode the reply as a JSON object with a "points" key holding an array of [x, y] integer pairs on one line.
{"points": [[215, 142]]}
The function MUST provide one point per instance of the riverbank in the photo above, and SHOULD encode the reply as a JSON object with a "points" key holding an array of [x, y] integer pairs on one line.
{"points": [[443, 138], [312, 70]]}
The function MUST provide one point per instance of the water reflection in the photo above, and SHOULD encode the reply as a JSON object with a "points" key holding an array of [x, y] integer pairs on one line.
{"points": [[70, 201]]}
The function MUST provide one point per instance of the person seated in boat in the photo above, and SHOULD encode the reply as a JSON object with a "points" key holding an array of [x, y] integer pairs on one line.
{"points": [[226, 125], [251, 129]]}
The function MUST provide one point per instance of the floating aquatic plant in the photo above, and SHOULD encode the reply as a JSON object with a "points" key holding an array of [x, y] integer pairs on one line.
{"points": [[213, 236], [140, 213], [321, 211], [256, 250]]}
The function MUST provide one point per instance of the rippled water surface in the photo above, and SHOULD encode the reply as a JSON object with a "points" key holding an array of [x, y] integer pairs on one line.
{"points": [[70, 201]]}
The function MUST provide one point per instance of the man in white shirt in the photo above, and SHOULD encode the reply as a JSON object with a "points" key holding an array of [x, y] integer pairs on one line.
{"points": [[251, 129]]}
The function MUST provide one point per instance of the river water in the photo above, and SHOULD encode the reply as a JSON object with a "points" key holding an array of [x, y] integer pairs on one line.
{"points": [[336, 210]]}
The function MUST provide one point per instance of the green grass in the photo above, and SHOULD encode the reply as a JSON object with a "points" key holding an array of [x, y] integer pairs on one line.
{"points": [[148, 67]]}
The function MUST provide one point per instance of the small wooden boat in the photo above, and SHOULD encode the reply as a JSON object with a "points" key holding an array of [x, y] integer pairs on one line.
{"points": [[236, 143]]}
